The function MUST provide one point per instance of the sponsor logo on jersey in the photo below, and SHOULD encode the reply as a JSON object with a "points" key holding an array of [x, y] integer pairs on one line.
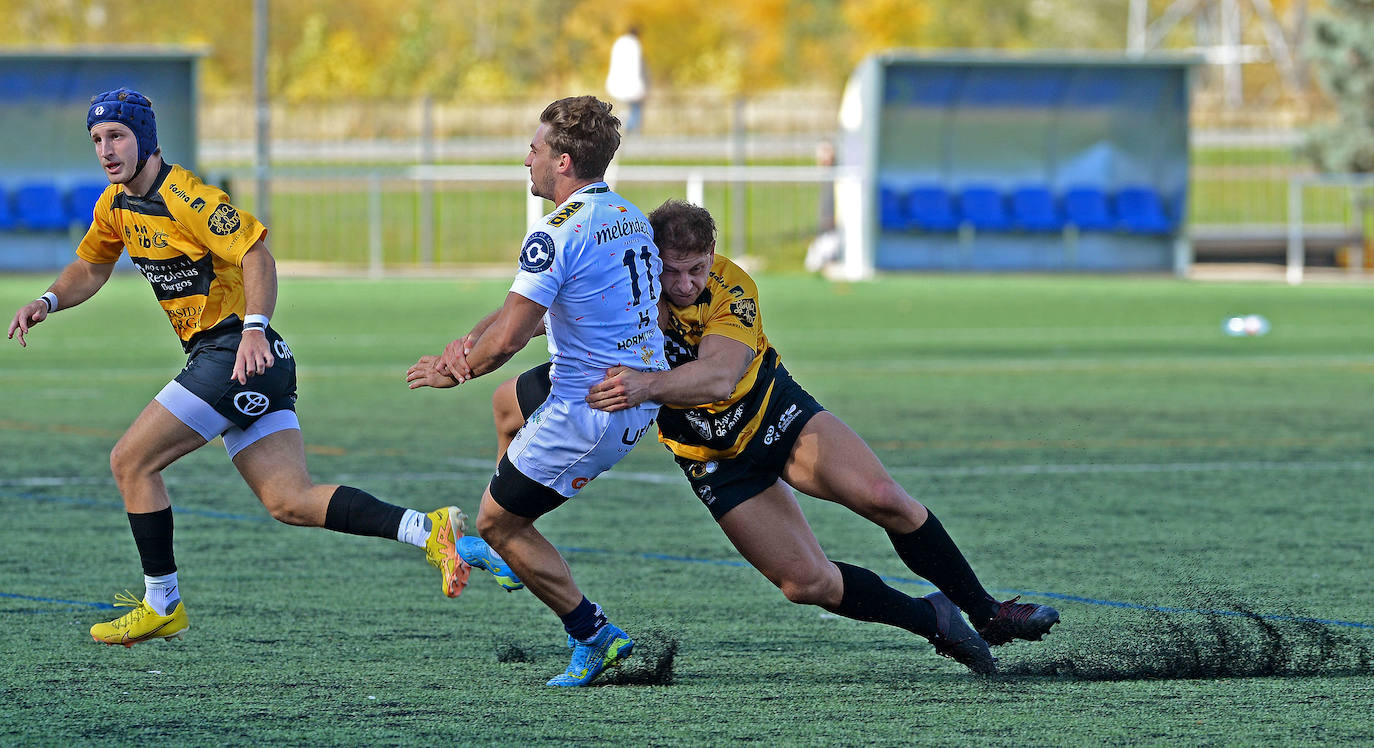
{"points": [[537, 254], [563, 215], [224, 221], [181, 193], [787, 417], [727, 421], [699, 422], [281, 349], [630, 439], [621, 229], [775, 432], [629, 343], [176, 277], [746, 310], [251, 403], [198, 205], [159, 239], [185, 319], [578, 483]]}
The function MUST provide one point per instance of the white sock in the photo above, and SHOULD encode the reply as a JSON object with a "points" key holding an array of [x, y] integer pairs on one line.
{"points": [[414, 528], [161, 593]]}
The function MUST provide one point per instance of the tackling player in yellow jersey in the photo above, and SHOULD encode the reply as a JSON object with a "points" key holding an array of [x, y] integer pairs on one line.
{"points": [[211, 271], [760, 435]]}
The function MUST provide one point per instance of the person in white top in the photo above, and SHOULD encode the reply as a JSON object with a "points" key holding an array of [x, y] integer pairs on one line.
{"points": [[589, 278], [626, 80]]}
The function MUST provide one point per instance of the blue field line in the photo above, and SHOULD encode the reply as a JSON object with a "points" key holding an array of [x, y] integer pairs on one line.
{"points": [[211, 513], [711, 562], [82, 603]]}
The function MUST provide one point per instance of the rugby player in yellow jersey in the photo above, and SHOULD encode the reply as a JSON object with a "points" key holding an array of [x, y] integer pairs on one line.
{"points": [[211, 271], [760, 435]]}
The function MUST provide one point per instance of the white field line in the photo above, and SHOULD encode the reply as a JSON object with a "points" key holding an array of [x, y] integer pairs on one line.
{"points": [[671, 478], [912, 363]]}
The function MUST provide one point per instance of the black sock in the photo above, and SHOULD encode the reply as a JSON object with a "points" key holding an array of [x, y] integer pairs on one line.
{"points": [[360, 513], [153, 536], [584, 621], [931, 552], [868, 598]]}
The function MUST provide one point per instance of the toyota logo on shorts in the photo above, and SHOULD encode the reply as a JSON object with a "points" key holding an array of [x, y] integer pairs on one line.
{"points": [[251, 403]]}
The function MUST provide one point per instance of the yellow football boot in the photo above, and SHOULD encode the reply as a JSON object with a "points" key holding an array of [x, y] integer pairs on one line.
{"points": [[140, 624], [441, 548]]}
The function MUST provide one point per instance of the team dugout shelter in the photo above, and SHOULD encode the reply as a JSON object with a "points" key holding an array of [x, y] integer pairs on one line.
{"points": [[49, 178], [987, 162]]}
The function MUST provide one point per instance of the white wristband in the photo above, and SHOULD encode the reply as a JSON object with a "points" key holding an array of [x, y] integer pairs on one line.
{"points": [[50, 299], [255, 320]]}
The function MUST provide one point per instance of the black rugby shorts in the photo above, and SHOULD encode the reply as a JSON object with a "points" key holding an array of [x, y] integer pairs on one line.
{"points": [[723, 485], [211, 362]]}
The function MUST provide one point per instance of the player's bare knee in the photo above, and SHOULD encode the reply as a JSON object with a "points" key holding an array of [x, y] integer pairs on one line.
{"points": [[888, 503], [287, 506], [495, 532], [805, 587], [126, 464]]}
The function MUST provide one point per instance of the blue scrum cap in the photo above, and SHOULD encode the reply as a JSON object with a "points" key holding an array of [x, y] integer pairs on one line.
{"points": [[127, 107]]}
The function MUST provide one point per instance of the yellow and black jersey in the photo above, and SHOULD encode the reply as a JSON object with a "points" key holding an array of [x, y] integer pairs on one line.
{"points": [[186, 239], [729, 306]]}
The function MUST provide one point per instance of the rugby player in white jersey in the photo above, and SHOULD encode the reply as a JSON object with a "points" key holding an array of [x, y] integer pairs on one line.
{"points": [[746, 435], [588, 278]]}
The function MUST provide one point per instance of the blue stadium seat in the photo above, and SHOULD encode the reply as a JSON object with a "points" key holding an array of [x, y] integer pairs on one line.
{"points": [[891, 209], [81, 201], [38, 207], [6, 216], [984, 207], [1087, 208], [1139, 210], [930, 208], [1034, 209]]}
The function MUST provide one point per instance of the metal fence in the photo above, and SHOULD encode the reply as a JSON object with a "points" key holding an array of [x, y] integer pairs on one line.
{"points": [[421, 184], [424, 218]]}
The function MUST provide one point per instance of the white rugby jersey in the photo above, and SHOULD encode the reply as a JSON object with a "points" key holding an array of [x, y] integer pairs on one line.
{"points": [[593, 263]]}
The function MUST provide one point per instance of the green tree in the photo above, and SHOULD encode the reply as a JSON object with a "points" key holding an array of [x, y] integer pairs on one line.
{"points": [[1341, 51]]}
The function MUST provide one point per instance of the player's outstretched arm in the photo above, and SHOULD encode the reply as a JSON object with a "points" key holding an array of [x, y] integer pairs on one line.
{"points": [[516, 322], [76, 283], [720, 364]]}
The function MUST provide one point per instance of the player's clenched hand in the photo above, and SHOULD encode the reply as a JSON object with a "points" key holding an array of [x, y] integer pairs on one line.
{"points": [[454, 360], [28, 315], [425, 373], [622, 388], [254, 356]]}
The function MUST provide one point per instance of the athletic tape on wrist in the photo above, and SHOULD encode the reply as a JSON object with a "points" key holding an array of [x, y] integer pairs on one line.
{"points": [[50, 299], [255, 322]]}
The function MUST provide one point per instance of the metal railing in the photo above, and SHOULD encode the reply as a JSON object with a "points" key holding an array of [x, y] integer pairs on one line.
{"points": [[377, 221]]}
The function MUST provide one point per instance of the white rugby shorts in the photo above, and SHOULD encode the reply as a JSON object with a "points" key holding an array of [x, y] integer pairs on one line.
{"points": [[567, 443]]}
